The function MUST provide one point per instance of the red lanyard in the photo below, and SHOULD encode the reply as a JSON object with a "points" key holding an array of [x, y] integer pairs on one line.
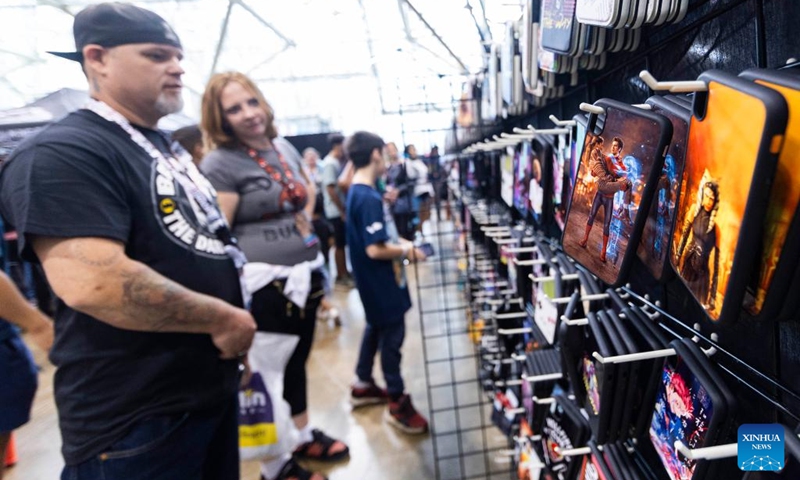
{"points": [[286, 179], [293, 193]]}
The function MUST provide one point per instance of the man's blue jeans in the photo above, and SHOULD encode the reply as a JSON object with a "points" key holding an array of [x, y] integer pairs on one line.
{"points": [[187, 446], [388, 339]]}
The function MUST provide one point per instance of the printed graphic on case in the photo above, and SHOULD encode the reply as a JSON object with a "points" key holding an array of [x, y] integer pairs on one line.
{"points": [[723, 161], [507, 177], [654, 246], [612, 176], [683, 409]]}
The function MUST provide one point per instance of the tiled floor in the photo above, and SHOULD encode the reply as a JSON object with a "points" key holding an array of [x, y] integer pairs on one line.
{"points": [[378, 451]]}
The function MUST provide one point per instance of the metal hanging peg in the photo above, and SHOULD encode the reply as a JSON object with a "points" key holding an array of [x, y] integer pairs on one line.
{"points": [[707, 453], [562, 123], [589, 108], [674, 87]]}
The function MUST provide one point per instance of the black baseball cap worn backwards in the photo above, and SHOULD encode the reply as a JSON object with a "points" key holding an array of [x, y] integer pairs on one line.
{"points": [[114, 24]]}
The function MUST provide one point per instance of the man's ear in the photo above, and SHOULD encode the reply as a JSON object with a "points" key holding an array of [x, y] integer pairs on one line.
{"points": [[95, 59]]}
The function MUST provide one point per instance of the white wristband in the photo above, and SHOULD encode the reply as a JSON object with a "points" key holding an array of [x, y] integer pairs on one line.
{"points": [[406, 248]]}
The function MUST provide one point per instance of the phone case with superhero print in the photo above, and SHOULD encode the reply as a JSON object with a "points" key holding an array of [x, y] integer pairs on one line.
{"points": [[616, 180], [653, 249]]}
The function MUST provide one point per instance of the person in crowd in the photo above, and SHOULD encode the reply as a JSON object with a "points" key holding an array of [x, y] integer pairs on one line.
{"points": [[398, 181], [377, 261], [191, 139], [150, 329], [322, 227], [332, 167], [438, 178], [268, 199], [423, 188], [18, 374]]}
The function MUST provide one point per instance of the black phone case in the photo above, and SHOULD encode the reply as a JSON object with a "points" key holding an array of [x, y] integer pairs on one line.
{"points": [[773, 279], [714, 374], [701, 468], [571, 345], [599, 462], [646, 135], [543, 151], [649, 376], [735, 115], [558, 26], [654, 247], [565, 427], [606, 379], [622, 384], [724, 467], [619, 466], [627, 461], [634, 392]]}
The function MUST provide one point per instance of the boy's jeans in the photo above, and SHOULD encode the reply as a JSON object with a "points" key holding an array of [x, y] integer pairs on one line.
{"points": [[388, 339]]}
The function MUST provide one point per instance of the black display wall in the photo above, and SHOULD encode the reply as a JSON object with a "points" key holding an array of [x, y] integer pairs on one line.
{"points": [[729, 35]]}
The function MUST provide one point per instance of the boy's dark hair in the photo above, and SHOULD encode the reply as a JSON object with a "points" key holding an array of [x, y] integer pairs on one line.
{"points": [[359, 148], [619, 142], [335, 139], [189, 137]]}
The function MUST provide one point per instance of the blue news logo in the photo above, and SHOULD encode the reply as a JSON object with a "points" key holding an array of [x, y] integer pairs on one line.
{"points": [[760, 447]]}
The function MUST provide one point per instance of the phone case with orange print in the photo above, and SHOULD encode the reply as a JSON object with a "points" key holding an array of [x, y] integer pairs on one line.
{"points": [[772, 280], [735, 135]]}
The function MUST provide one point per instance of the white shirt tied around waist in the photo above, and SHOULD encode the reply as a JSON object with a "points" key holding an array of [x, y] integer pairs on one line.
{"points": [[258, 275]]}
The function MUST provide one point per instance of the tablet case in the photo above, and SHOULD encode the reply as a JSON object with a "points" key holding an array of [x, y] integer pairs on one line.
{"points": [[735, 136], [772, 280], [615, 186], [653, 249]]}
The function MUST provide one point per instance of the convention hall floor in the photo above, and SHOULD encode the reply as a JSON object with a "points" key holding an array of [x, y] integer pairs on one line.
{"points": [[378, 451]]}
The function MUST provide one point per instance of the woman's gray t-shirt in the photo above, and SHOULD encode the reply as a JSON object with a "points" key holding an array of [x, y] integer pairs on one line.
{"points": [[275, 241]]}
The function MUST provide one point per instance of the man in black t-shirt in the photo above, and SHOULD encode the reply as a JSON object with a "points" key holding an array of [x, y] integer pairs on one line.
{"points": [[149, 326]]}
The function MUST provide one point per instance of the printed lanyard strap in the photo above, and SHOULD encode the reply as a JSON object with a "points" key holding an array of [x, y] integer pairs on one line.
{"points": [[189, 177]]}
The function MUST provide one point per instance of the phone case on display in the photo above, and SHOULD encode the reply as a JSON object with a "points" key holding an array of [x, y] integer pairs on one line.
{"points": [[529, 45], [689, 408], [617, 175], [663, 13], [724, 468], [653, 9], [649, 374], [629, 463], [723, 200], [612, 456], [601, 13], [638, 375], [492, 91], [683, 100], [654, 247], [599, 463], [561, 157], [773, 276], [537, 182], [639, 15], [564, 428], [597, 379], [623, 376], [561, 32]]}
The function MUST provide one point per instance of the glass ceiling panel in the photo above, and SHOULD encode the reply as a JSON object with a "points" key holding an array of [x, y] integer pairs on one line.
{"points": [[350, 63]]}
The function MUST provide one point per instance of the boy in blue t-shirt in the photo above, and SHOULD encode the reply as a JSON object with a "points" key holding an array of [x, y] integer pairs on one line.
{"points": [[377, 260]]}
